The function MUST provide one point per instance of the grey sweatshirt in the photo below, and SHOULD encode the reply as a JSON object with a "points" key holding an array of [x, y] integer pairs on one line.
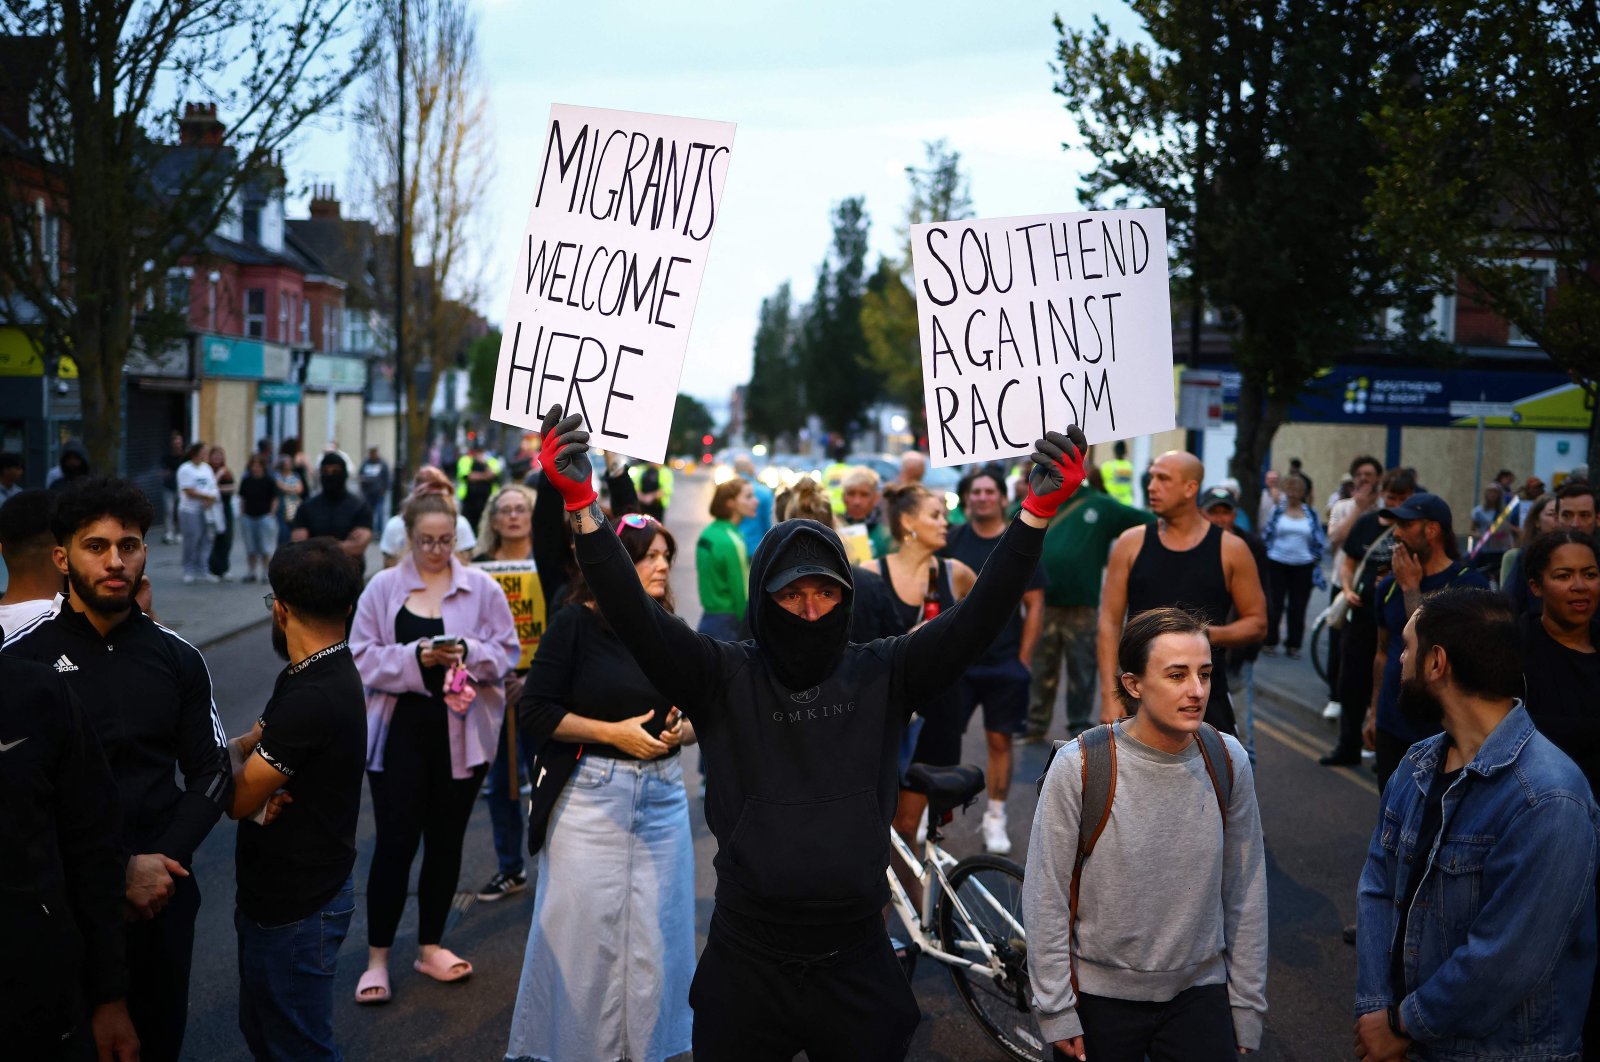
{"points": [[1167, 901]]}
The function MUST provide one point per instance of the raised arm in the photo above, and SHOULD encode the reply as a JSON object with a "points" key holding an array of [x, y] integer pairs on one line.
{"points": [[934, 655], [1113, 611], [676, 660]]}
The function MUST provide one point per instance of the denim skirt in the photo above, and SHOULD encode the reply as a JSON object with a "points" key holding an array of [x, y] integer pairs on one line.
{"points": [[611, 951]]}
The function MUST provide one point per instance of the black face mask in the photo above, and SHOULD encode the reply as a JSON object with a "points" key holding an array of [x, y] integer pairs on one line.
{"points": [[333, 483], [804, 652]]}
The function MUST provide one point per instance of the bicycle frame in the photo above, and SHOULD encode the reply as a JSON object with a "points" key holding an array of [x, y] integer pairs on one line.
{"points": [[931, 873]]}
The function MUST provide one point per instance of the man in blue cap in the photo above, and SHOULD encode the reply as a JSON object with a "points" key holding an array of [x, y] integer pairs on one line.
{"points": [[1426, 558]]}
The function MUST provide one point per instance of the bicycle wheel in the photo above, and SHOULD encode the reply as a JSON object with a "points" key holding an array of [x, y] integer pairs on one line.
{"points": [[1321, 644], [990, 891]]}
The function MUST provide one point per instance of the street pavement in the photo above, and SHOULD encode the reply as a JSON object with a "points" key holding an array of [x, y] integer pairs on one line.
{"points": [[1317, 821]]}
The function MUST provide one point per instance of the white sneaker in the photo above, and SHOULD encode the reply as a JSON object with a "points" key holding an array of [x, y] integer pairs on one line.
{"points": [[922, 828], [188, 579], [1332, 710], [995, 838]]}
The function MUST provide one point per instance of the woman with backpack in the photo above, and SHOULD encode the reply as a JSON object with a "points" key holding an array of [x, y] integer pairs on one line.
{"points": [[1153, 942]]}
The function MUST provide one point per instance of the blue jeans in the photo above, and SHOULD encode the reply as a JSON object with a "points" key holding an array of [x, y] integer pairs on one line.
{"points": [[506, 813], [286, 980]]}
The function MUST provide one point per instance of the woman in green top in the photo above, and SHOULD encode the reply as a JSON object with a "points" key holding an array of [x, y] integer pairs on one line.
{"points": [[722, 566]]}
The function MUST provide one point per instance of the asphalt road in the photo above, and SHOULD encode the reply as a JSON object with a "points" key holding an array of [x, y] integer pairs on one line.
{"points": [[1316, 820]]}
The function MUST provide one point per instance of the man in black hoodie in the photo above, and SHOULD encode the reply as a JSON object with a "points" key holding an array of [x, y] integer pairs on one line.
{"points": [[147, 695], [801, 729]]}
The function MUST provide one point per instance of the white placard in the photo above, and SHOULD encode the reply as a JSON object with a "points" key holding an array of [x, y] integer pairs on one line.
{"points": [[608, 271], [1034, 323]]}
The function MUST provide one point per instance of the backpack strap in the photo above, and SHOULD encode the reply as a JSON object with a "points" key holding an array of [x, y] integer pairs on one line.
{"points": [[1098, 749], [1213, 751]]}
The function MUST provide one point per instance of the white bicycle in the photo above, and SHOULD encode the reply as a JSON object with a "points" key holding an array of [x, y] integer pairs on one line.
{"points": [[970, 919]]}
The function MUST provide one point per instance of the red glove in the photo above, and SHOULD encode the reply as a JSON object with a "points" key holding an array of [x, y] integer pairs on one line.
{"points": [[1057, 471], [564, 457]]}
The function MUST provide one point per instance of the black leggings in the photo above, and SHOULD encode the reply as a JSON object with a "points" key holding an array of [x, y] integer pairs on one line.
{"points": [[414, 800], [1194, 1026], [1291, 583]]}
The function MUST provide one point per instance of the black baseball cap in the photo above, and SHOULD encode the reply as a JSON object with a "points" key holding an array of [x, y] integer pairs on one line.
{"points": [[1217, 496], [804, 555], [1421, 506]]}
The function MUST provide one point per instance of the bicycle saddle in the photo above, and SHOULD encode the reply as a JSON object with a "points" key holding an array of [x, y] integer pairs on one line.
{"points": [[946, 787]]}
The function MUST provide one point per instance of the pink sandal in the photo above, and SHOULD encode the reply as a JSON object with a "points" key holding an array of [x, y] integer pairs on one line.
{"points": [[441, 966], [373, 979]]}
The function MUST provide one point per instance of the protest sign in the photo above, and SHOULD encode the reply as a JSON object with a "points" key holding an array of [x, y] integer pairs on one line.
{"points": [[608, 271], [519, 580], [1034, 323]]}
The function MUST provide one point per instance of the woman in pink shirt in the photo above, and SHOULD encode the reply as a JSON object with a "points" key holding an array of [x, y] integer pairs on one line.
{"points": [[432, 639]]}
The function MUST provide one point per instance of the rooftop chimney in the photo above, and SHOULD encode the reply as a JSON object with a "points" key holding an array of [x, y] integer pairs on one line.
{"points": [[199, 126], [324, 202]]}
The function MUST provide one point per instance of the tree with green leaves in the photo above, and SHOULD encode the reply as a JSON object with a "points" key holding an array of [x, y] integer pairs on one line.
{"points": [[939, 192], [831, 352], [1490, 126], [102, 84], [1246, 121], [774, 401], [691, 422], [483, 358]]}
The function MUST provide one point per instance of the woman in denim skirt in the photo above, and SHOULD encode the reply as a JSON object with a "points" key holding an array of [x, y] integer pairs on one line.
{"points": [[611, 951]]}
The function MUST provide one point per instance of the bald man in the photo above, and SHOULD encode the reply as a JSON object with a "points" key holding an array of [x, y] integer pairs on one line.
{"points": [[913, 466], [1184, 561]]}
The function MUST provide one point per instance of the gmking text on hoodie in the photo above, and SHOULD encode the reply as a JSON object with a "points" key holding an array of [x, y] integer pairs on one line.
{"points": [[800, 728]]}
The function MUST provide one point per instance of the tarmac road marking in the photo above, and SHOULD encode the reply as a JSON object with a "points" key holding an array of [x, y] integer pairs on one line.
{"points": [[1291, 737]]}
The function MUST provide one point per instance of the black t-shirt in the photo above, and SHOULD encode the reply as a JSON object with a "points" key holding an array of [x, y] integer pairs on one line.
{"points": [[322, 515], [314, 731], [972, 549], [256, 494], [1563, 695], [1364, 534], [1427, 834]]}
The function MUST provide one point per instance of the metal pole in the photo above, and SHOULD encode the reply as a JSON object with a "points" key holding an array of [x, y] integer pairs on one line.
{"points": [[402, 469]]}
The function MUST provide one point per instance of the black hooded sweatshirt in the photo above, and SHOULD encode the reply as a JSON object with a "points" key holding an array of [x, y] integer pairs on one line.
{"points": [[803, 773]]}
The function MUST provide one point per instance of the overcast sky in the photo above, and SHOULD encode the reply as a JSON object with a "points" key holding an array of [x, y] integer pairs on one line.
{"points": [[831, 99]]}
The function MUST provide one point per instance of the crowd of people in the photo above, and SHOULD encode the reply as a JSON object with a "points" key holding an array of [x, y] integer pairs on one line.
{"points": [[521, 630]]}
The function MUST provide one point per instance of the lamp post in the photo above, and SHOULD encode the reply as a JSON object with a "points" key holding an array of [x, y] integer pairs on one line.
{"points": [[402, 471]]}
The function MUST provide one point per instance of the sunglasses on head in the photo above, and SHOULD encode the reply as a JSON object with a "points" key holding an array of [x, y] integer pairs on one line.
{"points": [[639, 521]]}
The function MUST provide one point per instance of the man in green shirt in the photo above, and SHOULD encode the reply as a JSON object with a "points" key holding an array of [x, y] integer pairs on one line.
{"points": [[1074, 563]]}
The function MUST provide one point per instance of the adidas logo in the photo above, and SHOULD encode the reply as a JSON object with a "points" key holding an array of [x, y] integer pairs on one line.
{"points": [[63, 665]]}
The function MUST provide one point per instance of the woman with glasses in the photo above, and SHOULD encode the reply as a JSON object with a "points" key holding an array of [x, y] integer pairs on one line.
{"points": [[433, 639], [611, 951], [506, 534], [428, 480]]}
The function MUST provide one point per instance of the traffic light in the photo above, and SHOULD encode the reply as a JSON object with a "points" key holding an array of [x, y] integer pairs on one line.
{"points": [[707, 441]]}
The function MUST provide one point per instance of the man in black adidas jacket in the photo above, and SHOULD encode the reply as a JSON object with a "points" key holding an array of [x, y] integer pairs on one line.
{"points": [[147, 696], [801, 732], [60, 877]]}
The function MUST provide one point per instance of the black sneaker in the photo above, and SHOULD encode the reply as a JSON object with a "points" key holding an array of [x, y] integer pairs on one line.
{"points": [[501, 886]]}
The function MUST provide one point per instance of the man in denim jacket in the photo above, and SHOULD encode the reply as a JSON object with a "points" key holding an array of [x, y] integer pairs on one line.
{"points": [[1476, 910]]}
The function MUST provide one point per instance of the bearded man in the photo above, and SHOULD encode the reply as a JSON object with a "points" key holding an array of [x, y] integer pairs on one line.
{"points": [[147, 696]]}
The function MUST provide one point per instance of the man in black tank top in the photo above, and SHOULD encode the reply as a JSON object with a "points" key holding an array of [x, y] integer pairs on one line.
{"points": [[1182, 562]]}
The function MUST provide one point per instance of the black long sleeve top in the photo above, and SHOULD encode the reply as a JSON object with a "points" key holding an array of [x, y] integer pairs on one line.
{"points": [[583, 668], [552, 538], [803, 783]]}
